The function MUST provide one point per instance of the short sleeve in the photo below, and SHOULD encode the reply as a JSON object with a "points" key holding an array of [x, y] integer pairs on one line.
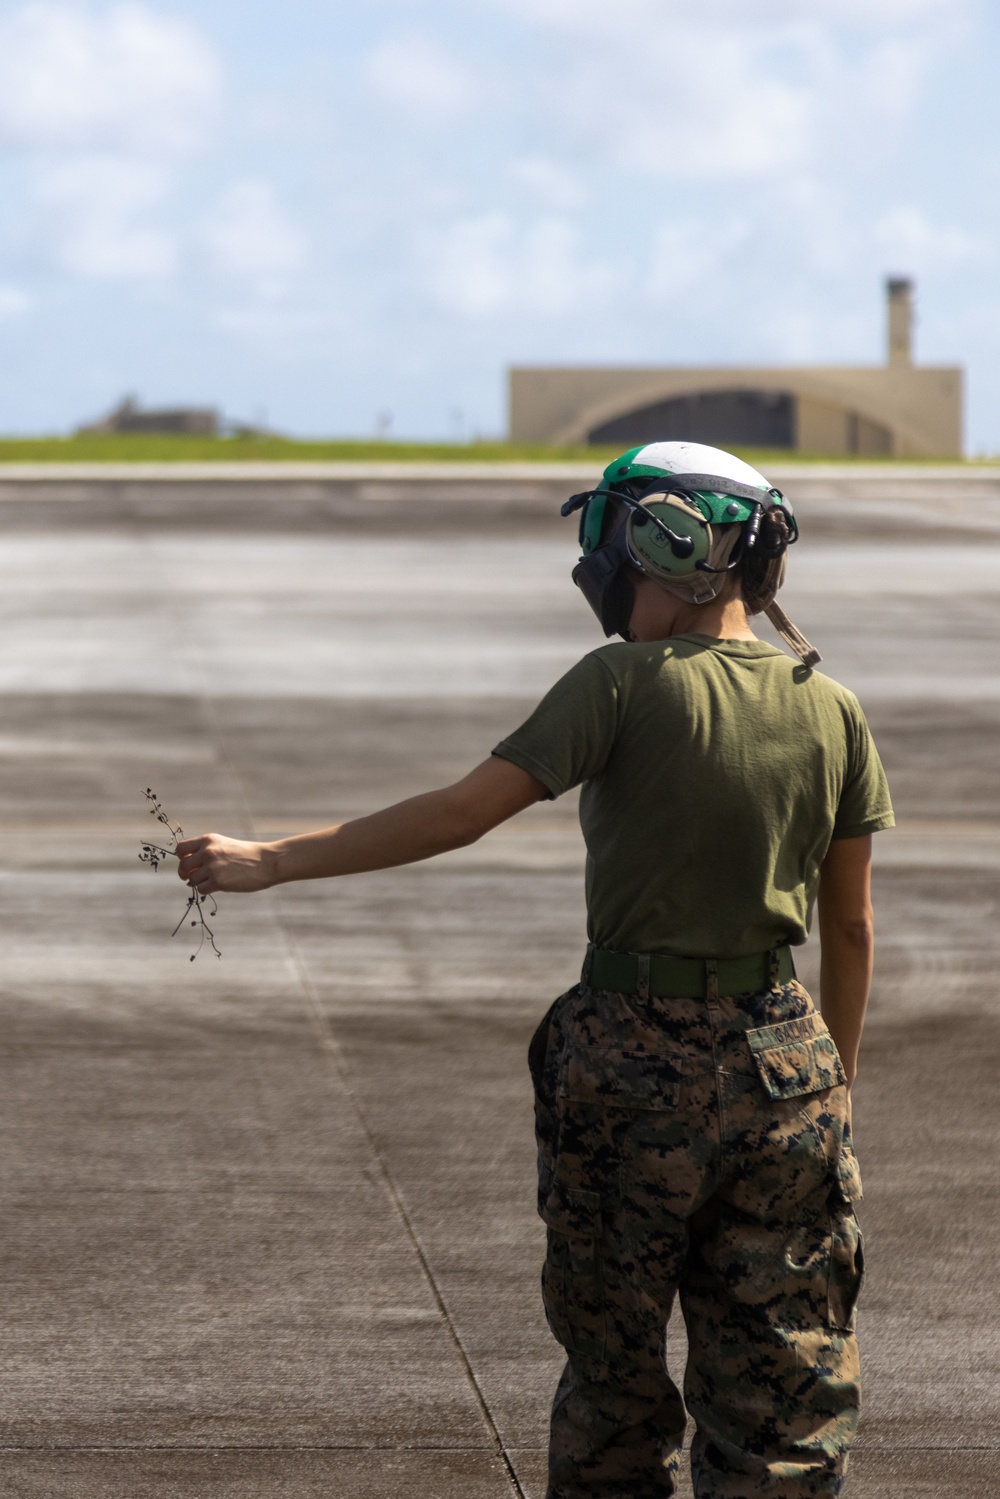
{"points": [[569, 737], [865, 805]]}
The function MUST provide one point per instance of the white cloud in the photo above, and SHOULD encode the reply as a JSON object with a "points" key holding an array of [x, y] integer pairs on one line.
{"points": [[639, 20], [688, 253], [887, 82], [668, 94], [547, 183], [94, 213], [725, 118], [117, 79], [13, 302], [887, 12], [909, 240], [421, 78], [250, 234], [732, 90], [812, 212], [490, 264]]}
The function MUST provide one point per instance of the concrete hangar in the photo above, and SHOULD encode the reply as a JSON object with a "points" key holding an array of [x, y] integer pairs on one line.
{"points": [[896, 410]]}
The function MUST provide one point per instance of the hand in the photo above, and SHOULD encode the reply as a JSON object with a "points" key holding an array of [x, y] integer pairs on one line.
{"points": [[212, 863]]}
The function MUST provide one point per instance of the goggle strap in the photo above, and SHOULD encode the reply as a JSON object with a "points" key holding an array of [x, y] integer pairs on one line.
{"points": [[686, 484], [716, 484], [793, 638]]}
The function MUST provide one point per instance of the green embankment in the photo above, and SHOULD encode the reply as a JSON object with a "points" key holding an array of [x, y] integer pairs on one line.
{"points": [[135, 448]]}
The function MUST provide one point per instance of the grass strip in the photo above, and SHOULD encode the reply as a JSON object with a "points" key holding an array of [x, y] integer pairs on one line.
{"points": [[167, 448]]}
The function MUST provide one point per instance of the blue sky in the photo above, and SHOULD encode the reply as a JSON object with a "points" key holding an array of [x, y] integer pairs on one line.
{"points": [[318, 213]]}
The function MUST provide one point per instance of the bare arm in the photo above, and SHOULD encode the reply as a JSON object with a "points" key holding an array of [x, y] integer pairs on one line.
{"points": [[847, 938], [402, 834]]}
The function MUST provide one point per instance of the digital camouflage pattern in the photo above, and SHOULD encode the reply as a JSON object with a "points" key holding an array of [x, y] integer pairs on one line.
{"points": [[698, 1147]]}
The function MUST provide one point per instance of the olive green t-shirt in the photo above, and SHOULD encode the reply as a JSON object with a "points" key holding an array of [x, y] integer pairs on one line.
{"points": [[715, 774]]}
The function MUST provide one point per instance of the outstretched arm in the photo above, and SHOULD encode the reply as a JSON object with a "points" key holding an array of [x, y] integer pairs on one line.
{"points": [[402, 834], [847, 940]]}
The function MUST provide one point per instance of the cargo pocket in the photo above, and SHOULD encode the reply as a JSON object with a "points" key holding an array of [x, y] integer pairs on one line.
{"points": [[803, 1078], [847, 1269], [572, 1283], [796, 1057], [849, 1172]]}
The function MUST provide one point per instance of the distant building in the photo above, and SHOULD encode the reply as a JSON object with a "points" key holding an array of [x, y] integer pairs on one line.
{"points": [[197, 421], [895, 410]]}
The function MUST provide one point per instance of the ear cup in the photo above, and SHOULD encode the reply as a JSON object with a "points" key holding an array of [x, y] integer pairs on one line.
{"points": [[654, 550]]}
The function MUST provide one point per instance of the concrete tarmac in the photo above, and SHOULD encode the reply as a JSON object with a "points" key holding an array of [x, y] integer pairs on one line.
{"points": [[268, 1219]]}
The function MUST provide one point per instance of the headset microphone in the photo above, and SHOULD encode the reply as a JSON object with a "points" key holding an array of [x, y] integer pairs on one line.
{"points": [[681, 546]]}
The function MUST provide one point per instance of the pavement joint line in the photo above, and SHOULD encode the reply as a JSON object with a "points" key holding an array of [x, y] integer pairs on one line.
{"points": [[305, 1447], [859, 1446], [331, 1046]]}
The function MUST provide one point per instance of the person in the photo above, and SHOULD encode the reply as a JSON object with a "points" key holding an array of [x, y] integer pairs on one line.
{"points": [[692, 1106]]}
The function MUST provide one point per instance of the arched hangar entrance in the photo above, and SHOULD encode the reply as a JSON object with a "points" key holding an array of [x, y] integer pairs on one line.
{"points": [[737, 418], [748, 418]]}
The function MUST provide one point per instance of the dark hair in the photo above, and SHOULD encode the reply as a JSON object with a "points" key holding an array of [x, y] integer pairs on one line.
{"points": [[760, 567]]}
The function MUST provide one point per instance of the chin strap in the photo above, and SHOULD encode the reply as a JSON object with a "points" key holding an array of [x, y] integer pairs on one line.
{"points": [[793, 638]]}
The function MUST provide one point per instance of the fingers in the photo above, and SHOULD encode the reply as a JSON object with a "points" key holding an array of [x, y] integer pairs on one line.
{"points": [[189, 856], [189, 867], [193, 857], [191, 845], [200, 878]]}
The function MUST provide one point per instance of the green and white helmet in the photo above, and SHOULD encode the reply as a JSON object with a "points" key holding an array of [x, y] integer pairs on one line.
{"points": [[686, 515], [690, 462]]}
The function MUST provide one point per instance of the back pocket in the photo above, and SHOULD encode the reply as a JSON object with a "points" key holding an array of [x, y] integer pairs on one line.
{"points": [[797, 1057], [622, 1080]]}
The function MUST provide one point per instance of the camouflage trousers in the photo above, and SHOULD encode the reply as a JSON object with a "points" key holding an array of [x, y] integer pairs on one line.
{"points": [[698, 1148]]}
